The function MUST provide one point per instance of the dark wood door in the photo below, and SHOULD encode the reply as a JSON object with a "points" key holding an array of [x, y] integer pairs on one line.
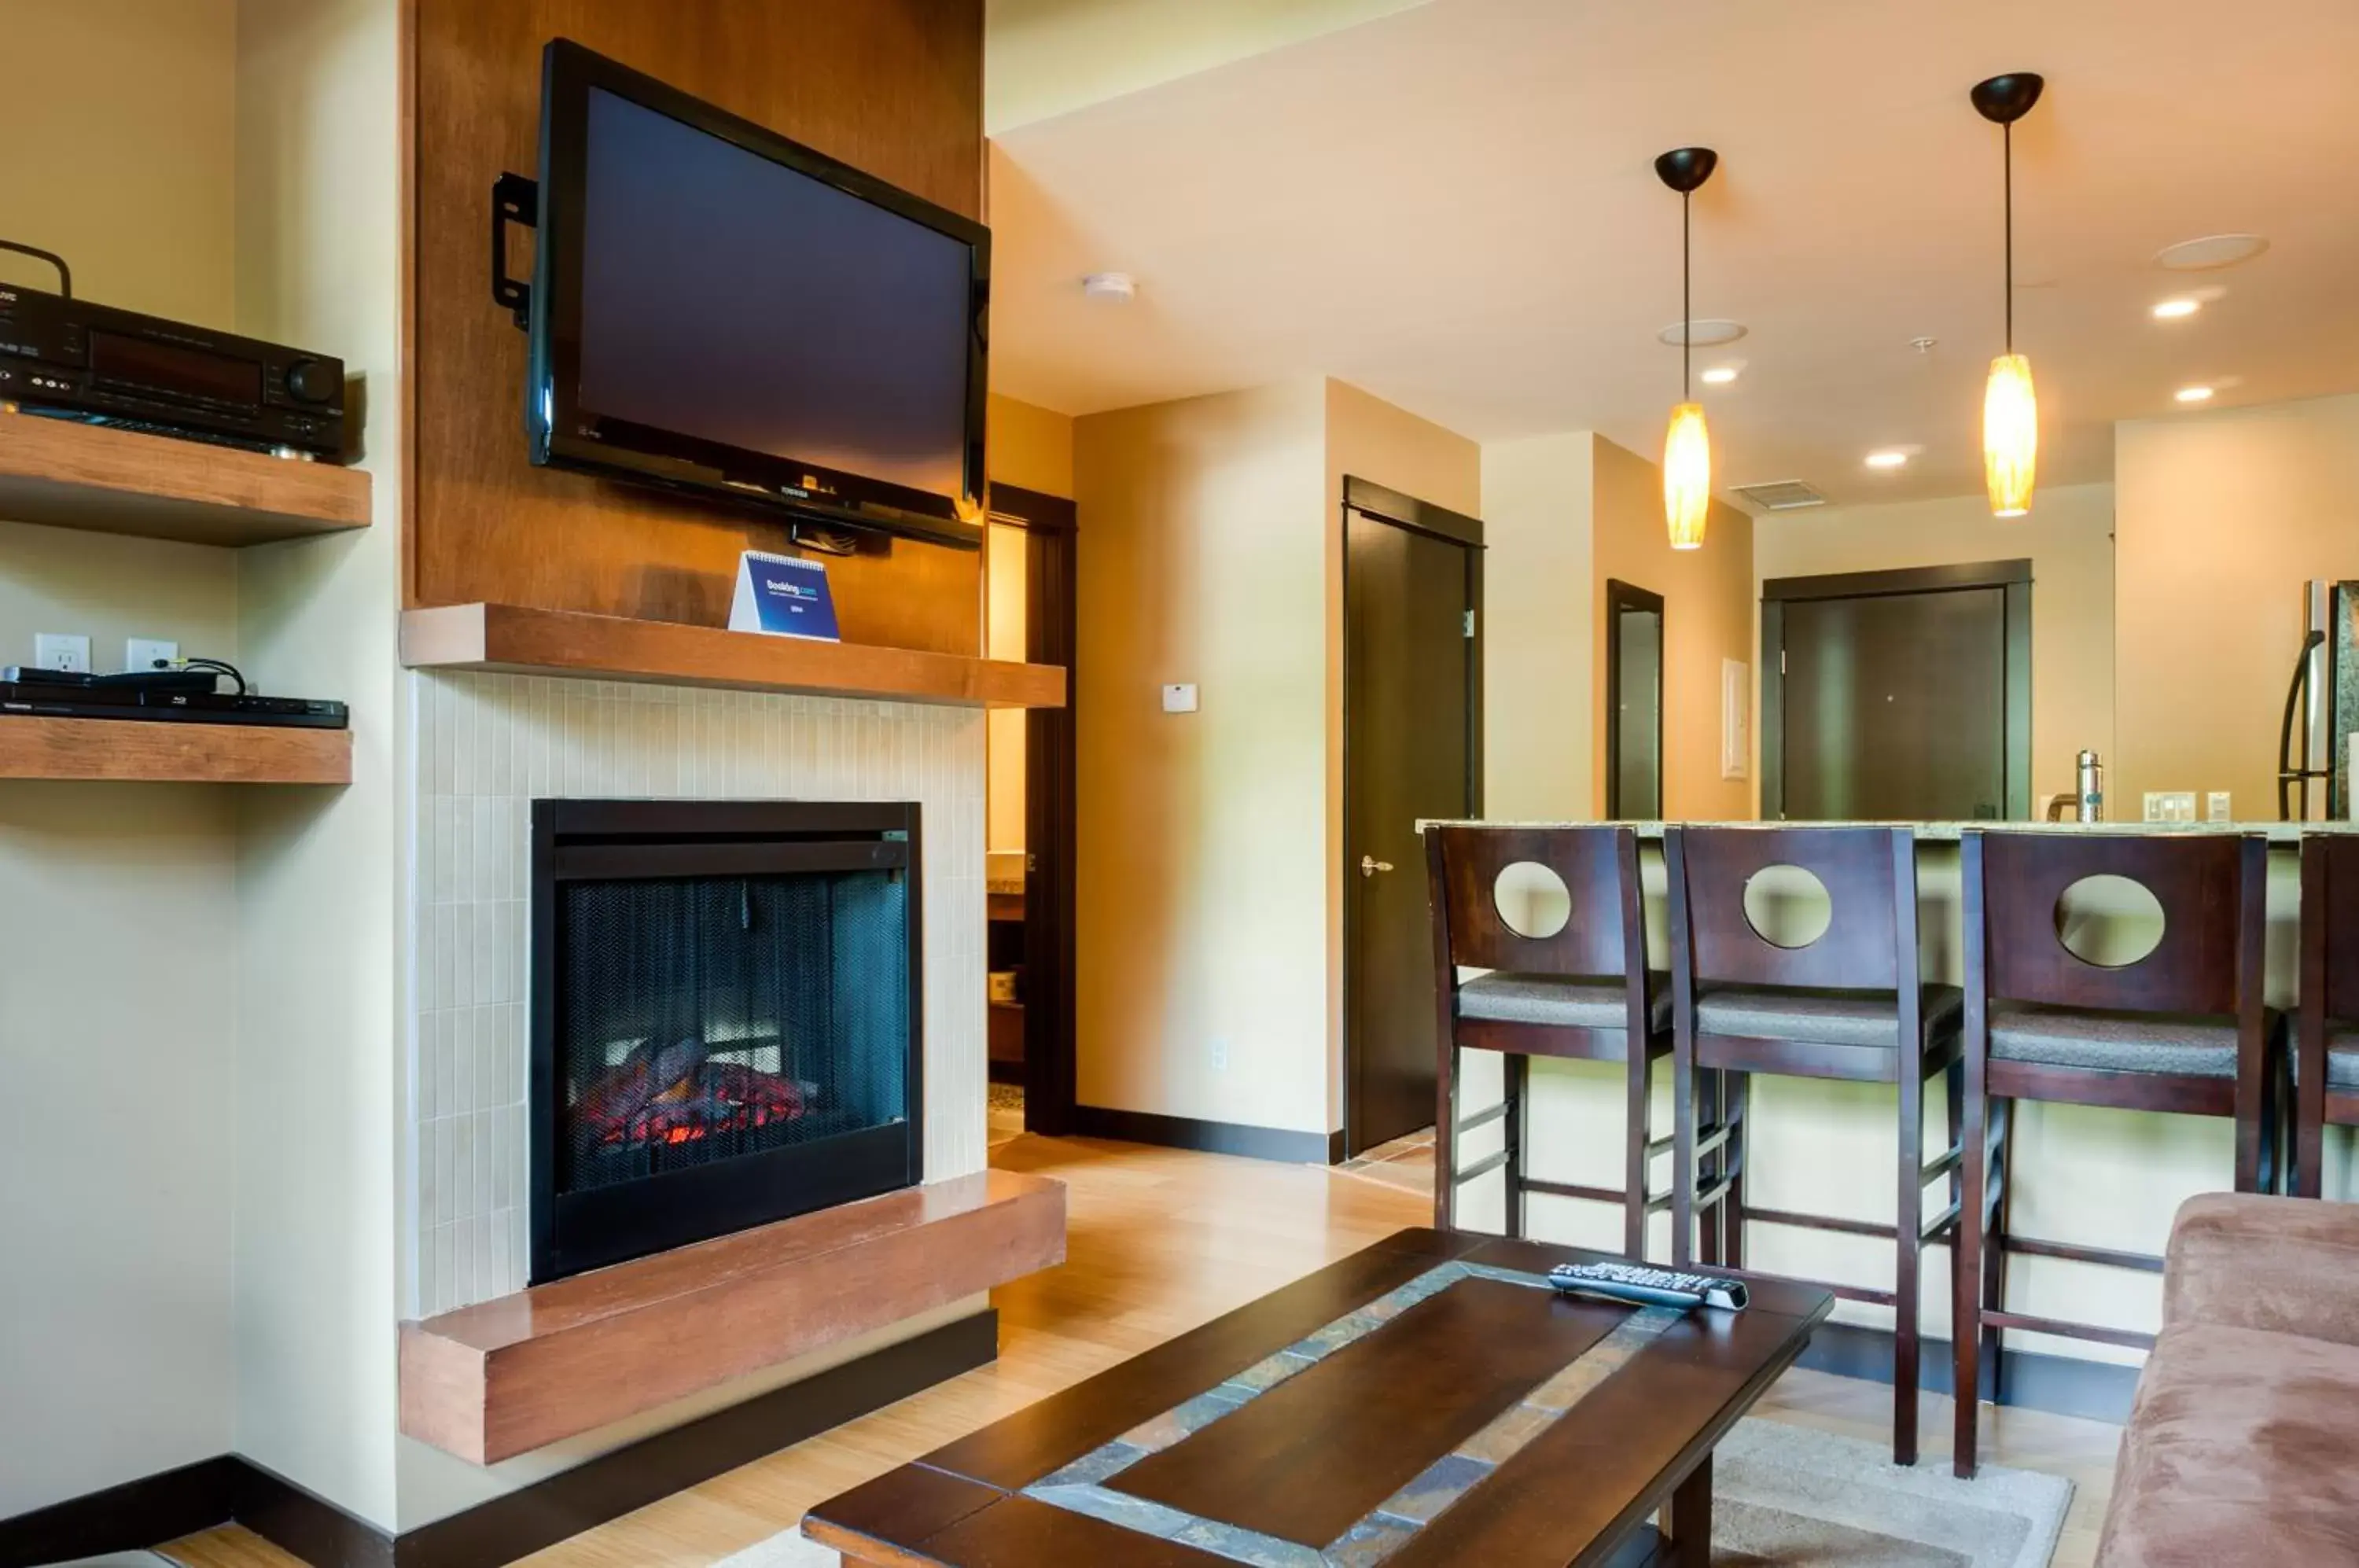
{"points": [[1895, 707], [1408, 754]]}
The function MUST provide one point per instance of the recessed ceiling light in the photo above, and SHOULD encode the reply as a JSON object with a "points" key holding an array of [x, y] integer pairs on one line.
{"points": [[1701, 334], [2193, 394], [2176, 309], [1718, 376], [2209, 253], [1890, 458], [1117, 287]]}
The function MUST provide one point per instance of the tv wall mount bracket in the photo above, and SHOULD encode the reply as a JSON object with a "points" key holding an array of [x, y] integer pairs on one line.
{"points": [[515, 200]]}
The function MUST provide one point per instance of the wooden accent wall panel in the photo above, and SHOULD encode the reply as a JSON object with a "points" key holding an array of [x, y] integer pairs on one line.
{"points": [[894, 87], [506, 1377]]}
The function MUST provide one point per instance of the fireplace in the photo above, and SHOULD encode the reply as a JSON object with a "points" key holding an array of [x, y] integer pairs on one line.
{"points": [[726, 1023]]}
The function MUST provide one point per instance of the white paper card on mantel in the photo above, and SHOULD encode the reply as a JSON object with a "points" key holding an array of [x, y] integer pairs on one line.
{"points": [[783, 595]]}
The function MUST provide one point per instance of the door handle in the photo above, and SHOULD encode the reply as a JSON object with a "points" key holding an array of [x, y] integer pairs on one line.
{"points": [[1370, 865]]}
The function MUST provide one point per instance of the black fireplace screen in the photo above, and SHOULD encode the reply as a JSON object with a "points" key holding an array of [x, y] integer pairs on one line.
{"points": [[726, 1024], [706, 1019]]}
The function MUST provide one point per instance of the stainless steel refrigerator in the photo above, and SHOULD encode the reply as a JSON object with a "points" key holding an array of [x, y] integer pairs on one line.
{"points": [[2321, 708]]}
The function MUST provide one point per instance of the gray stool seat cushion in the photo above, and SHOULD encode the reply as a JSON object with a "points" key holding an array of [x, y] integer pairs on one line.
{"points": [[2115, 1043], [2342, 1052], [1560, 1000], [1827, 1017]]}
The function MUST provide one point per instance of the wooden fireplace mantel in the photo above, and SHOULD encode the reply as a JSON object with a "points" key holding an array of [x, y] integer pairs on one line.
{"points": [[518, 1373]]}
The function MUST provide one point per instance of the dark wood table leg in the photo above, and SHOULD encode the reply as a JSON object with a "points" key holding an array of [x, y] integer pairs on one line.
{"points": [[1690, 1519]]}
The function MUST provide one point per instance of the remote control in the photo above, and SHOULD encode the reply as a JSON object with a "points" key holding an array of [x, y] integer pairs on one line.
{"points": [[1648, 1287]]}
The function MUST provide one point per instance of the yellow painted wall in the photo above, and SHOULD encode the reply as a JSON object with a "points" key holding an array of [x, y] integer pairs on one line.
{"points": [[1028, 445], [1707, 617], [2220, 517], [2069, 540], [1209, 956], [1031, 447], [1539, 600], [1201, 988]]}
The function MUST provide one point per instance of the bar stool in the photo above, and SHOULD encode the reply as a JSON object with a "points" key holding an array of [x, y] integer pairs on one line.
{"points": [[1581, 991], [2181, 1028], [1839, 1005], [2325, 1056]]}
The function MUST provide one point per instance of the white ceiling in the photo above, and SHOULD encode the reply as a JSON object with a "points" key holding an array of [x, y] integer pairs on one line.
{"points": [[1454, 206]]}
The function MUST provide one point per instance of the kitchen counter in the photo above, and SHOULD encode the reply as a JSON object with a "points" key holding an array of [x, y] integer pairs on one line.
{"points": [[2102, 1178]]}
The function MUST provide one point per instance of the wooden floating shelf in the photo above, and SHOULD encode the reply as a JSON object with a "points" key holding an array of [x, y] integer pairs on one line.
{"points": [[168, 752], [506, 1377], [516, 640], [70, 475]]}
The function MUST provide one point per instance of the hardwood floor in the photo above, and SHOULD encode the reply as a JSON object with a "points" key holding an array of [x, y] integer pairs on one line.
{"points": [[1160, 1241]]}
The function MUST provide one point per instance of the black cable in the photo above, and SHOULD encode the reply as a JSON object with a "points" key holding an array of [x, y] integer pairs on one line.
{"points": [[65, 272], [220, 667], [1687, 301], [2006, 142]]}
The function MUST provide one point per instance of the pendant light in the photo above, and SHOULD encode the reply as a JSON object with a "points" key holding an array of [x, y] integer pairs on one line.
{"points": [[1686, 445], [2010, 409]]}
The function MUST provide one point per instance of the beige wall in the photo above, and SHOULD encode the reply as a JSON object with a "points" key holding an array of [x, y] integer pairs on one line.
{"points": [[322, 1080], [115, 1343], [1209, 956], [1203, 875], [2068, 541], [2220, 517], [1539, 602], [1707, 617]]}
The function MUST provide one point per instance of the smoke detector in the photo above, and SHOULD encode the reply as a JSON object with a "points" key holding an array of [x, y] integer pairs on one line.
{"points": [[1115, 288], [1780, 495]]}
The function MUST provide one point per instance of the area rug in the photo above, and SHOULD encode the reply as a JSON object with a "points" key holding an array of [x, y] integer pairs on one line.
{"points": [[1787, 1495]]}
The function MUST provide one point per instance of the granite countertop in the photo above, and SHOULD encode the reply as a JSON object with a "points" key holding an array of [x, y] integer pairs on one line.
{"points": [[1949, 832]]}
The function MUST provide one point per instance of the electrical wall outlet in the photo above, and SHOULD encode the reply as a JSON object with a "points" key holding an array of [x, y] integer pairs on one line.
{"points": [[1220, 1056], [148, 653], [68, 651], [2216, 806]]}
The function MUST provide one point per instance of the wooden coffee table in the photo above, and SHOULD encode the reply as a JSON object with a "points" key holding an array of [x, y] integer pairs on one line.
{"points": [[1428, 1400]]}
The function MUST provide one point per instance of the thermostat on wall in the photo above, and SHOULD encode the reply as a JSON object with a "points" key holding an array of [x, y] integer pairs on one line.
{"points": [[1180, 699]]}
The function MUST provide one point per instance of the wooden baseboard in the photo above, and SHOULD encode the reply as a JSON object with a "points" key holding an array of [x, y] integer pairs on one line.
{"points": [[1209, 1138], [162, 1508]]}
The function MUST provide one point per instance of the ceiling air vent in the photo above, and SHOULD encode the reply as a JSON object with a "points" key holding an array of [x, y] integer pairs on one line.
{"points": [[1779, 496]]}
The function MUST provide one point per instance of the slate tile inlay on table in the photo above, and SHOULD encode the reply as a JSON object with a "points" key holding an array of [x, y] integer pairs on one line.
{"points": [[1091, 1485]]}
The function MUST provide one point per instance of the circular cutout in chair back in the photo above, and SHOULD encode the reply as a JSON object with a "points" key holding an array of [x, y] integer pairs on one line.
{"points": [[1788, 906], [1532, 899], [2110, 922]]}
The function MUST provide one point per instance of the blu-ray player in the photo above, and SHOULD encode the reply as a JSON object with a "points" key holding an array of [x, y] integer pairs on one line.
{"points": [[72, 359], [45, 700]]}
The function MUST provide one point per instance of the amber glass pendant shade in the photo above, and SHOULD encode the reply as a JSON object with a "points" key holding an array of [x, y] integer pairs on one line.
{"points": [[2010, 436], [1687, 476]]}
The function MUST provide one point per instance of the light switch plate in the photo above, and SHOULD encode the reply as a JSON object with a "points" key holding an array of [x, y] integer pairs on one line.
{"points": [[2218, 808], [1736, 718], [2170, 805], [1179, 698]]}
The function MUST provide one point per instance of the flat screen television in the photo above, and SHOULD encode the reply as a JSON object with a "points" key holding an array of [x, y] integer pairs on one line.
{"points": [[718, 310]]}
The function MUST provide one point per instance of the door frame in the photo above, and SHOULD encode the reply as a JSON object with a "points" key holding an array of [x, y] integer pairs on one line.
{"points": [[1383, 504], [1620, 596], [2013, 576], [1052, 526]]}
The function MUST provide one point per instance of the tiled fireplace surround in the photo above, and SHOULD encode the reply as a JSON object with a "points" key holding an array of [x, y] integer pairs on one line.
{"points": [[483, 747]]}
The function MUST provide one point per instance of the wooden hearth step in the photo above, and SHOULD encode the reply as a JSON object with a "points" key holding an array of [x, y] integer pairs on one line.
{"points": [[508, 1376]]}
